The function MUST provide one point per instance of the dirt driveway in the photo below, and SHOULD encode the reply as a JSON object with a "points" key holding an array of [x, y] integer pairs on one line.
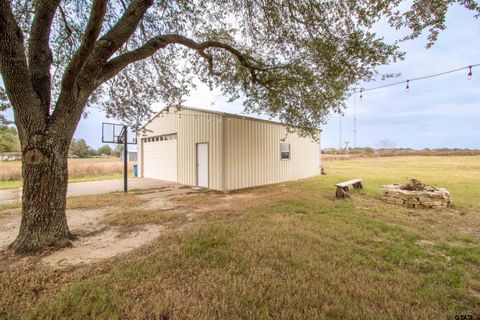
{"points": [[106, 225], [103, 223], [95, 187]]}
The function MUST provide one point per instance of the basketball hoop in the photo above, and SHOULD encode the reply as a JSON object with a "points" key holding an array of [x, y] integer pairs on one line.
{"points": [[120, 134], [114, 133]]}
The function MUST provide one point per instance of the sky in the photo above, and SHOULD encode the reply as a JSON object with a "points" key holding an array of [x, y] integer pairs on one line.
{"points": [[435, 113]]}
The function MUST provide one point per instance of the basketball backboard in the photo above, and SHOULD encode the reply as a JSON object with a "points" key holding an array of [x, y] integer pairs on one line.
{"points": [[114, 133]]}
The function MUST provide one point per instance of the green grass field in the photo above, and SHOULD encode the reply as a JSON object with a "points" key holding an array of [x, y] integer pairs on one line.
{"points": [[289, 251], [460, 175]]}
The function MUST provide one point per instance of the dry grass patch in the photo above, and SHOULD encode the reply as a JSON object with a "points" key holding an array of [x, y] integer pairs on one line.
{"points": [[10, 210], [127, 218], [114, 199], [78, 170], [9, 206], [230, 202]]}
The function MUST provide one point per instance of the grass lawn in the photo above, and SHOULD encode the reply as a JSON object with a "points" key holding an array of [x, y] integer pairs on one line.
{"points": [[289, 251]]}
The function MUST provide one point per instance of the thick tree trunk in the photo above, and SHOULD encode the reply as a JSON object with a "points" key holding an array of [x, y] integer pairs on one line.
{"points": [[45, 179]]}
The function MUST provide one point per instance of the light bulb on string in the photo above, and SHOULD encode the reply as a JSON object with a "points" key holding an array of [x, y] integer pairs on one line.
{"points": [[407, 82]]}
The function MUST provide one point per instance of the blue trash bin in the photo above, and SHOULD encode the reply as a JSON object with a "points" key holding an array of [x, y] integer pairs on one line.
{"points": [[135, 170]]}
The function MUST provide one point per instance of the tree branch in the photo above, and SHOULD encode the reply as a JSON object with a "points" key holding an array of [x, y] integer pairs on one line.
{"points": [[79, 83], [116, 64], [39, 53], [108, 44], [68, 30], [92, 31], [14, 71]]}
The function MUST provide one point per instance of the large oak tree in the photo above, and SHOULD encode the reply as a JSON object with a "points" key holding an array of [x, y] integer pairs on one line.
{"points": [[293, 59]]}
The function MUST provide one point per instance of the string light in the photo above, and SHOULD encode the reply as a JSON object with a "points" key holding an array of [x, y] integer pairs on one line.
{"points": [[361, 94], [469, 68]]}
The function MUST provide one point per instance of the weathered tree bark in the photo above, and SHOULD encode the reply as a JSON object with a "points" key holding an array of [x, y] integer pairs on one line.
{"points": [[45, 179]]}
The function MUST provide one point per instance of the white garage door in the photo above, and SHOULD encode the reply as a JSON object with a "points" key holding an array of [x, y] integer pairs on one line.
{"points": [[160, 158]]}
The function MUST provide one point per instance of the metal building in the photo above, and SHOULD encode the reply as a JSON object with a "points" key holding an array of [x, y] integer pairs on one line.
{"points": [[223, 151]]}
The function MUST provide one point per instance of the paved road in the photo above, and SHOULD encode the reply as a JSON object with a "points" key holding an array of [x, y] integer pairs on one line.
{"points": [[94, 187]]}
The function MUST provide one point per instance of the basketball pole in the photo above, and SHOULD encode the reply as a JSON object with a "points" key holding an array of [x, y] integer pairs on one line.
{"points": [[125, 159], [354, 120]]}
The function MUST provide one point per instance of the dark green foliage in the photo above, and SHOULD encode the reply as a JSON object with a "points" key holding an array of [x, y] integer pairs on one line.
{"points": [[117, 152], [9, 139], [104, 150], [79, 148], [4, 105]]}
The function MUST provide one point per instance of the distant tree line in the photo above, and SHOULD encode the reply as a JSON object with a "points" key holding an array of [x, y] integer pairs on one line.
{"points": [[388, 147], [9, 142], [80, 149], [369, 151]]}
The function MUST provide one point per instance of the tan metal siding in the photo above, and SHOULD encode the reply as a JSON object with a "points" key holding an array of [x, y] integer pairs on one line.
{"points": [[252, 154], [192, 127], [252, 149]]}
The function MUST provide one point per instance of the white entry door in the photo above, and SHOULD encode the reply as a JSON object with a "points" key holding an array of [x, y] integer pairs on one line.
{"points": [[202, 165]]}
